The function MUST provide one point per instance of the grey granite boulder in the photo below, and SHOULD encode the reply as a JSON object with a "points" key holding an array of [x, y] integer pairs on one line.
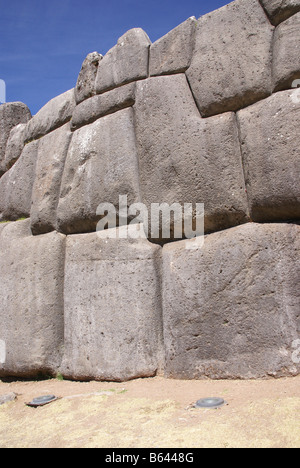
{"points": [[270, 146], [231, 65], [11, 114], [286, 65], [31, 301], [125, 62], [104, 104], [231, 309], [280, 10], [16, 185], [184, 158], [54, 114], [85, 86], [173, 52], [113, 319], [51, 157], [100, 166]]}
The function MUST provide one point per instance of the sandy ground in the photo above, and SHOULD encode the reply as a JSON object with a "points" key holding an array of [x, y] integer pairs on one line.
{"points": [[152, 413]]}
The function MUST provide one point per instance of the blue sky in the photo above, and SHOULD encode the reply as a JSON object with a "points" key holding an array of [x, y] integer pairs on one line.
{"points": [[43, 43]]}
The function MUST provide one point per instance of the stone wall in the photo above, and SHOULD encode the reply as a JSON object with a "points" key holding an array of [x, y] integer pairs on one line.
{"points": [[207, 114]]}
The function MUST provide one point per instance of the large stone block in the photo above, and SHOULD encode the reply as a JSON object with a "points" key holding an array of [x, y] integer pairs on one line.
{"points": [[52, 152], [104, 104], [125, 62], [31, 300], [231, 309], [270, 146], [15, 145], [231, 65], [11, 114], [54, 114], [16, 185], [184, 158], [286, 66], [85, 86], [173, 52], [280, 10], [113, 319], [101, 165]]}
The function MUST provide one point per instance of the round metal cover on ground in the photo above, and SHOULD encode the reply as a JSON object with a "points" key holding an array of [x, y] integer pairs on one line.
{"points": [[212, 403], [42, 400]]}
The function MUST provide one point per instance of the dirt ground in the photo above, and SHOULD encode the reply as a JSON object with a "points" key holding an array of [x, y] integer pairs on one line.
{"points": [[152, 413]]}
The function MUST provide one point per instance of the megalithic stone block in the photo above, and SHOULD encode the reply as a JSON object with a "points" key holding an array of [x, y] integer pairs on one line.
{"points": [[52, 152], [31, 300], [173, 52], [270, 146], [280, 10], [85, 86], [231, 309], [16, 185], [15, 145], [286, 66], [111, 334], [11, 114], [100, 166], [125, 62], [184, 158], [53, 115], [231, 65]]}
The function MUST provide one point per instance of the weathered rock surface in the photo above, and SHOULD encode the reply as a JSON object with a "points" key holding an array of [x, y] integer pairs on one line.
{"points": [[270, 145], [280, 10], [186, 159], [231, 65], [16, 185], [52, 152], [104, 104], [11, 114], [54, 114], [85, 86], [125, 62], [231, 309], [110, 333], [15, 145], [101, 165], [31, 298], [286, 66], [173, 52]]}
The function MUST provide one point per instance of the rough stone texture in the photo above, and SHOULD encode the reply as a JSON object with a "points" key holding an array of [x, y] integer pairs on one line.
{"points": [[101, 165], [16, 185], [11, 114], [110, 333], [52, 153], [231, 65], [270, 145], [286, 65], [231, 309], [85, 86], [173, 52], [31, 300], [99, 106], [280, 10], [15, 145], [186, 159], [125, 62], [54, 114]]}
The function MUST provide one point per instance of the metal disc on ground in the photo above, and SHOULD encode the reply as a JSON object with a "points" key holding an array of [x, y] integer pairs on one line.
{"points": [[211, 403], [42, 400]]}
